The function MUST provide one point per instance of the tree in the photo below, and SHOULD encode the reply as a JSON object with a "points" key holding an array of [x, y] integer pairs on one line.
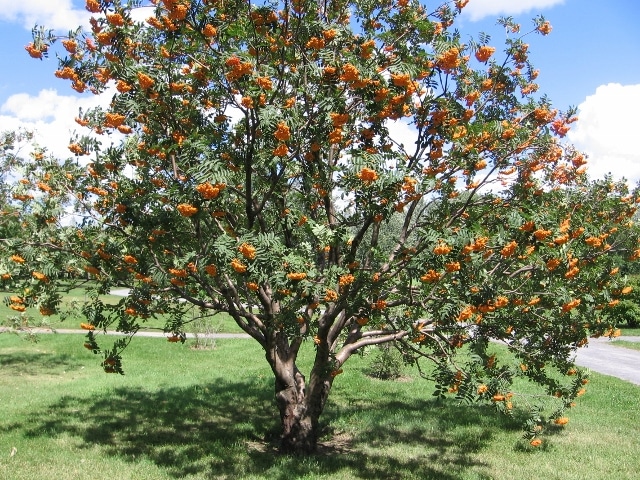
{"points": [[9, 143], [249, 163]]}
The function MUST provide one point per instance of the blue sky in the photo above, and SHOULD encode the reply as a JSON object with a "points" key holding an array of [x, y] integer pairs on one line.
{"points": [[590, 60]]}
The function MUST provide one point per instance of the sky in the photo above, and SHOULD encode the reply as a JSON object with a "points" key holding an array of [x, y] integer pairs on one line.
{"points": [[591, 60]]}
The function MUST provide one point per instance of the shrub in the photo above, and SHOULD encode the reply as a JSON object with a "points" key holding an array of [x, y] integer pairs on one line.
{"points": [[387, 363], [628, 309]]}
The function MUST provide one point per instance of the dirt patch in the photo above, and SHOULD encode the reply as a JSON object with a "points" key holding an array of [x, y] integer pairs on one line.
{"points": [[339, 443]]}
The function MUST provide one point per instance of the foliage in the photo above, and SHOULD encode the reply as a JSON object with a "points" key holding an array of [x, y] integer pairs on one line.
{"points": [[627, 310], [10, 143], [250, 163], [387, 363]]}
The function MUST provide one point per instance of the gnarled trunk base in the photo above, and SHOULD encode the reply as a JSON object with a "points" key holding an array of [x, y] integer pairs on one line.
{"points": [[299, 436], [300, 404], [299, 423]]}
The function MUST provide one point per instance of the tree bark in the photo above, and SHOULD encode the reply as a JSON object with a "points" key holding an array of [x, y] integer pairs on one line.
{"points": [[300, 404], [299, 429]]}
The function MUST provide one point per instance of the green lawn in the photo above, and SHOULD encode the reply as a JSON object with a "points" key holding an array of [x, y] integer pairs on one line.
{"points": [[627, 332], [196, 414], [622, 343], [220, 323]]}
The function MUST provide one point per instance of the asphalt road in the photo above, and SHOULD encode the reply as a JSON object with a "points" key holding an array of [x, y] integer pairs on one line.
{"points": [[603, 357]]}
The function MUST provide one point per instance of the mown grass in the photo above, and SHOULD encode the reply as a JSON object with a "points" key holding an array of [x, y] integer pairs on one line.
{"points": [[630, 332], [622, 343], [34, 318], [185, 413], [220, 323]]}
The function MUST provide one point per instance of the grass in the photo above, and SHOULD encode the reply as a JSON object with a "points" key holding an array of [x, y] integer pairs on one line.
{"points": [[622, 343], [220, 323], [196, 414], [628, 332]]}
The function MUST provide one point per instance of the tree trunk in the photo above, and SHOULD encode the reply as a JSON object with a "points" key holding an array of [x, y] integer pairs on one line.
{"points": [[300, 410], [300, 406], [299, 403], [299, 429]]}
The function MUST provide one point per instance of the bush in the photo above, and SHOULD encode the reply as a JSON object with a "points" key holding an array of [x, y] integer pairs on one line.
{"points": [[203, 334], [387, 364], [628, 310]]}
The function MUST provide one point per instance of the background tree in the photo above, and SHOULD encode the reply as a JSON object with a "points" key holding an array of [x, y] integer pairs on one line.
{"points": [[37, 196], [248, 164], [9, 154]]}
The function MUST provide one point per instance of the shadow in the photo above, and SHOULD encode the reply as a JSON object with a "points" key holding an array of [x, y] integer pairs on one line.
{"points": [[37, 363], [230, 429]]}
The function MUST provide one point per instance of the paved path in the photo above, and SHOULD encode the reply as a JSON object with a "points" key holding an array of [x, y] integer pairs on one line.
{"points": [[602, 357], [144, 333], [120, 292]]}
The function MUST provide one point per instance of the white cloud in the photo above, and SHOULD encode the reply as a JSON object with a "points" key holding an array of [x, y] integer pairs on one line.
{"points": [[50, 116], [142, 13], [404, 134], [479, 9], [55, 14], [607, 130]]}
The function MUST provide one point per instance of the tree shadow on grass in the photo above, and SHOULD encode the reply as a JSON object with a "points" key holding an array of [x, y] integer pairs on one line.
{"points": [[37, 363], [229, 430]]}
